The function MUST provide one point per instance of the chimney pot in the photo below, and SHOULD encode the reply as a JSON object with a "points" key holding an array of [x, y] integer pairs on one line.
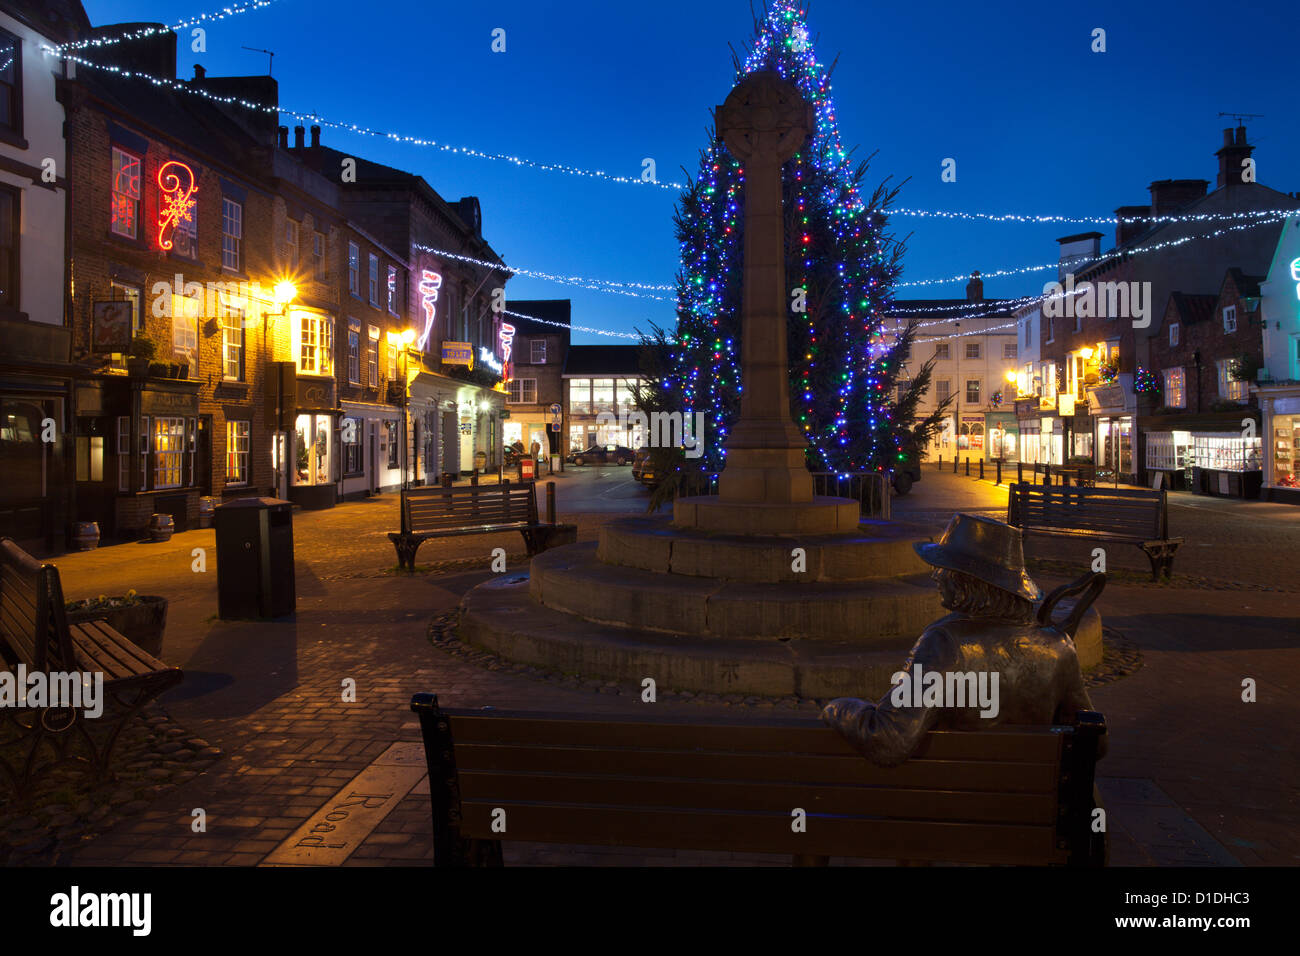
{"points": [[315, 135], [975, 288], [298, 134], [199, 72], [284, 137]]}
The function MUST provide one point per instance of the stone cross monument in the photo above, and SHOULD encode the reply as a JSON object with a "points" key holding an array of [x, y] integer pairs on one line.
{"points": [[765, 487]]}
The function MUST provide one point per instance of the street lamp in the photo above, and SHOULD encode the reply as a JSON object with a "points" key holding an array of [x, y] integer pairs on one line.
{"points": [[284, 293]]}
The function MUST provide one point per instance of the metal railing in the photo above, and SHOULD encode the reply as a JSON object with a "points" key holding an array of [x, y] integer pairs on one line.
{"points": [[869, 488]]}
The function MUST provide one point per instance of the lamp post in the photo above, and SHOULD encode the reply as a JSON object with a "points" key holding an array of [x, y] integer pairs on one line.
{"points": [[403, 368]]}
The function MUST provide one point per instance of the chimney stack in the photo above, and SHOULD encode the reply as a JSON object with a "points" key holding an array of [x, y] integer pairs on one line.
{"points": [[1170, 195], [1127, 231], [1232, 154], [975, 288], [298, 134], [199, 72], [284, 137], [315, 136]]}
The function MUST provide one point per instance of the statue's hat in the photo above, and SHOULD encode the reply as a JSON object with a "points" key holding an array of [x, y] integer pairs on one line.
{"points": [[988, 550]]}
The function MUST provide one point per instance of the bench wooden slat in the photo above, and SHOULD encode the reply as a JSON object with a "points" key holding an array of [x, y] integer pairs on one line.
{"points": [[101, 643], [764, 833], [891, 802], [776, 735], [760, 768]]}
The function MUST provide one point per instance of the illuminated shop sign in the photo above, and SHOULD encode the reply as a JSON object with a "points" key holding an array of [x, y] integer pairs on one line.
{"points": [[430, 283]]}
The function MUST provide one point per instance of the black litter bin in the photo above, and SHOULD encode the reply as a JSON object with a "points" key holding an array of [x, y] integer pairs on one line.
{"points": [[255, 558]]}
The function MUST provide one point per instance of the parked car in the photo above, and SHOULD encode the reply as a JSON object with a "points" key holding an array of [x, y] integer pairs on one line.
{"points": [[602, 455], [513, 453], [643, 469]]}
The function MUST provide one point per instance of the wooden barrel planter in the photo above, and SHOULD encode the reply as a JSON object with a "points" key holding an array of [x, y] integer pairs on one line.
{"points": [[85, 535], [142, 621], [207, 506], [161, 527]]}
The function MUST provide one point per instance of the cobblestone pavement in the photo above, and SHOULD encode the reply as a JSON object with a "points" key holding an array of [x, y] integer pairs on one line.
{"points": [[1194, 775]]}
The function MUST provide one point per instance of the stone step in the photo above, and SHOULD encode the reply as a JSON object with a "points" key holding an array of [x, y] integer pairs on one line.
{"points": [[499, 616], [876, 613], [878, 549]]}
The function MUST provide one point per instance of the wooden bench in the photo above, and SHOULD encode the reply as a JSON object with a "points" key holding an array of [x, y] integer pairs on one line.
{"points": [[36, 634], [442, 512], [1130, 515], [1020, 796]]}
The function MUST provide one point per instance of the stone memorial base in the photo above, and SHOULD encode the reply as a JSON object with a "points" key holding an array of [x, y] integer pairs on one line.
{"points": [[813, 615]]}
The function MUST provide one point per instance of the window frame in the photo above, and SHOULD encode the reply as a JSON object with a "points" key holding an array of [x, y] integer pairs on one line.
{"points": [[1165, 378], [232, 242], [354, 352], [321, 343], [292, 247], [318, 254], [393, 291], [979, 387], [231, 319], [233, 455], [137, 209], [354, 269], [942, 351], [532, 351], [169, 461], [14, 128], [516, 395], [1173, 334], [1229, 311], [356, 447], [372, 356], [1011, 350], [372, 278], [11, 294]]}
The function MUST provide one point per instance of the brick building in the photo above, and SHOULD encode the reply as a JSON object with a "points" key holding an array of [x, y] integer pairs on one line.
{"points": [[171, 246], [541, 347], [455, 367], [1082, 382]]}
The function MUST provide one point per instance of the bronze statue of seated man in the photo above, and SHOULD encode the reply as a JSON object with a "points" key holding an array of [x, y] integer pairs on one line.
{"points": [[991, 651]]}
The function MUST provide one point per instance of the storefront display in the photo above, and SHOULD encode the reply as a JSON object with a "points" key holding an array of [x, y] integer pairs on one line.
{"points": [[1286, 438]]}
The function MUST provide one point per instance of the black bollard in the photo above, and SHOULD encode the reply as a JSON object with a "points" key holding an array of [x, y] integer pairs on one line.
{"points": [[967, 467], [550, 503], [473, 478], [1020, 472], [954, 464], [999, 481], [941, 462], [981, 469]]}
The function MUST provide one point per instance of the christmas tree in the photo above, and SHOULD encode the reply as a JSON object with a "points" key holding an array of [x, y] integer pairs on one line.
{"points": [[845, 354]]}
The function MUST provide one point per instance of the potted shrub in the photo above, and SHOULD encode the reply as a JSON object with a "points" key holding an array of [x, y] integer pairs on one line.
{"points": [[141, 618], [142, 353], [158, 370]]}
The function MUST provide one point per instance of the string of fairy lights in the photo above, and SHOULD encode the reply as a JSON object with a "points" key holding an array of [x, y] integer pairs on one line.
{"points": [[867, 278]]}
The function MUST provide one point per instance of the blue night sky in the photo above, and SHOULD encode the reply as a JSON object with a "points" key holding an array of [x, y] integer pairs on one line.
{"points": [[1036, 121]]}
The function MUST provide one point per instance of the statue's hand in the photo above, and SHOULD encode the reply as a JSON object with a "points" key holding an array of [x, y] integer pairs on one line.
{"points": [[844, 714]]}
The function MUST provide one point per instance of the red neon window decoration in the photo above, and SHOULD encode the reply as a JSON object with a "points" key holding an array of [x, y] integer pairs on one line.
{"points": [[126, 193], [430, 283], [177, 186]]}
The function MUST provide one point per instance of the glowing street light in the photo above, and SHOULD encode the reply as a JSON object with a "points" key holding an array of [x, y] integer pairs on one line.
{"points": [[285, 292]]}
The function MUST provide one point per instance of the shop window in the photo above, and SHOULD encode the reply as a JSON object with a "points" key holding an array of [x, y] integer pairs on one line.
{"points": [[90, 458], [126, 193], [232, 233], [972, 350], [390, 430], [11, 85], [392, 362], [1286, 438], [25, 460], [1175, 388], [312, 449], [372, 357], [537, 351], [185, 325], [602, 395], [353, 460], [580, 396], [972, 391], [374, 280], [168, 452], [238, 436]]}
